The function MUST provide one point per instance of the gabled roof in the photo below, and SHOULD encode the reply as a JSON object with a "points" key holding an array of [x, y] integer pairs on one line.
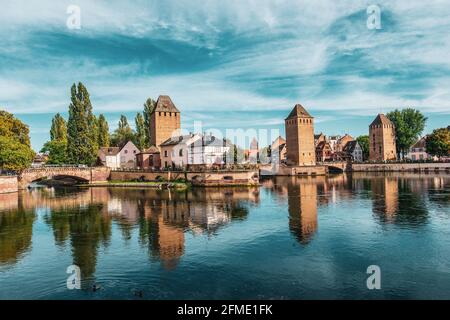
{"points": [[350, 146], [165, 104], [321, 145], [177, 140], [299, 111], [381, 119], [109, 151], [278, 141], [421, 143], [150, 150]]}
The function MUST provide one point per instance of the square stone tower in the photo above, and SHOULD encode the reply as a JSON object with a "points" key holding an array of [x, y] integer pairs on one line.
{"points": [[300, 137], [382, 139], [165, 121]]}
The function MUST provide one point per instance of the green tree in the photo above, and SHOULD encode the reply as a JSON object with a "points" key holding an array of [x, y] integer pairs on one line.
{"points": [[409, 124], [438, 143], [14, 155], [141, 137], [82, 146], [57, 151], [58, 130], [123, 133], [12, 127], [149, 108], [103, 131], [364, 143]]}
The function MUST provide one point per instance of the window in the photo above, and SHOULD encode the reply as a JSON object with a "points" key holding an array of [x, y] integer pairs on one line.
{"points": [[165, 155], [180, 153], [126, 151]]}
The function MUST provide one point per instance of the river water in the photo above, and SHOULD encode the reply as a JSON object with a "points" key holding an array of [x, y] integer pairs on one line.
{"points": [[291, 238]]}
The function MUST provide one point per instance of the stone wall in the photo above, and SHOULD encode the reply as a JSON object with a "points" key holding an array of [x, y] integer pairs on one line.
{"points": [[275, 170], [8, 184], [399, 167]]}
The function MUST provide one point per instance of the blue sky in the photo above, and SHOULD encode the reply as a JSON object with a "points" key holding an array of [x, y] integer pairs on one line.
{"points": [[228, 63]]}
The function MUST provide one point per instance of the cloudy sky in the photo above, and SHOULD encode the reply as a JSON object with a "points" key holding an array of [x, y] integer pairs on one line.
{"points": [[233, 63]]}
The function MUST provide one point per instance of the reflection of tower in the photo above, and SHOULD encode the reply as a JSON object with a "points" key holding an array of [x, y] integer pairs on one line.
{"points": [[171, 244], [385, 196], [302, 202]]}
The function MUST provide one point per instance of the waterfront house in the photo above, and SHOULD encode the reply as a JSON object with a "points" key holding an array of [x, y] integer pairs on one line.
{"points": [[118, 157], [418, 151], [149, 158], [278, 150], [354, 151], [174, 151], [341, 142], [323, 151]]}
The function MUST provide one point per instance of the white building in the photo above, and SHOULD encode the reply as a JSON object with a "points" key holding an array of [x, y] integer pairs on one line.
{"points": [[115, 157], [193, 149], [353, 149]]}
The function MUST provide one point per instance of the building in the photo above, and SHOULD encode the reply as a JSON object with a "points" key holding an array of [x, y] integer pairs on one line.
{"points": [[319, 138], [300, 137], [382, 139], [323, 151], [341, 142], [109, 157], [149, 158], [253, 152], [354, 151], [174, 151], [118, 157], [418, 151], [278, 150], [39, 160], [333, 141], [165, 121]]}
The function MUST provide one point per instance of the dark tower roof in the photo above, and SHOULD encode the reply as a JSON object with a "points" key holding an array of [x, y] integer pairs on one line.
{"points": [[165, 104], [381, 119], [299, 111]]}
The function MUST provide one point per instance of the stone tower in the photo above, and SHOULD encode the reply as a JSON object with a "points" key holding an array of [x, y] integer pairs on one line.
{"points": [[382, 139], [165, 121], [300, 137]]}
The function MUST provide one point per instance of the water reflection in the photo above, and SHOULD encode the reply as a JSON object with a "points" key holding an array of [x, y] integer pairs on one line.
{"points": [[161, 221]]}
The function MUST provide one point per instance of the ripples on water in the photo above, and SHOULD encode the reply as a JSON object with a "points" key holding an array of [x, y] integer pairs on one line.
{"points": [[290, 238]]}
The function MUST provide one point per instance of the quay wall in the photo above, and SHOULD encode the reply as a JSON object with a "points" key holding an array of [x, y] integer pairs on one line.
{"points": [[8, 184], [401, 167]]}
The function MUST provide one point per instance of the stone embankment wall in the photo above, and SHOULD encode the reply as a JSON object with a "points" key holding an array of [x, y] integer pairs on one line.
{"points": [[8, 184], [401, 167]]}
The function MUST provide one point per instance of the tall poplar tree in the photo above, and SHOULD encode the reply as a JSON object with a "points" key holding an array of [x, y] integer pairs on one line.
{"points": [[58, 130], [103, 131], [123, 133], [82, 146], [149, 108], [141, 137]]}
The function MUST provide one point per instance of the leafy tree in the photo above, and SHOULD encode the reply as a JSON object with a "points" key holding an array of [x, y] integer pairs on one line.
{"points": [[57, 151], [12, 127], [14, 155], [58, 130], [82, 146], [409, 124], [364, 143], [123, 133], [103, 131], [438, 143], [149, 108], [141, 137]]}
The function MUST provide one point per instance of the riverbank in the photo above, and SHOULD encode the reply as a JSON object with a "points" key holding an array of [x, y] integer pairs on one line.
{"points": [[136, 184]]}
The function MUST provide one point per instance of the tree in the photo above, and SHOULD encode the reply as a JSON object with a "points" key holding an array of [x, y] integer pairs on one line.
{"points": [[15, 151], [58, 130], [103, 131], [409, 124], [141, 137], [123, 133], [82, 146], [438, 143], [12, 127], [363, 141], [14, 155], [149, 108], [57, 151]]}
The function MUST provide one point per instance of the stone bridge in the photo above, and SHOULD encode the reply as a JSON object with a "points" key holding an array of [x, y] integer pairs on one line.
{"points": [[334, 167], [83, 175]]}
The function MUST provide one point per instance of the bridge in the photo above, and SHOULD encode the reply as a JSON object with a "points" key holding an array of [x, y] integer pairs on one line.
{"points": [[336, 167], [80, 174]]}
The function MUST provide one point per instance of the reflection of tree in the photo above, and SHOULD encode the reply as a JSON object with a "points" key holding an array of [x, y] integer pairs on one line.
{"points": [[16, 229], [302, 202], [86, 228]]}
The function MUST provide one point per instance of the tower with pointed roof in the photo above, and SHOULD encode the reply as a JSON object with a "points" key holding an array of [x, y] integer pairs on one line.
{"points": [[165, 121], [300, 137], [382, 139]]}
